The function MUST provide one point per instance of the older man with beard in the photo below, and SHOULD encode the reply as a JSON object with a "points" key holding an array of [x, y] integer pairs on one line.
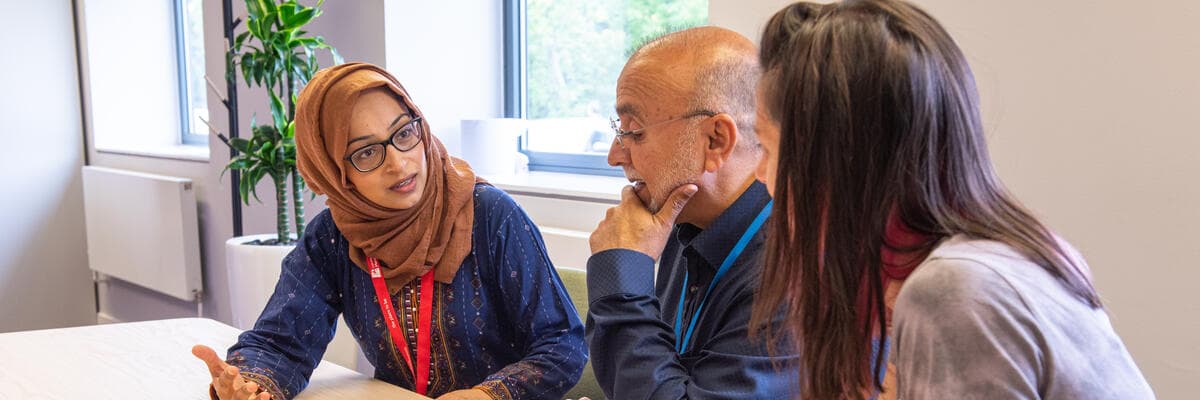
{"points": [[686, 141]]}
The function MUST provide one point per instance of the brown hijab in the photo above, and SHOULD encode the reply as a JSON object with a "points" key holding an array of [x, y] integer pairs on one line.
{"points": [[434, 233]]}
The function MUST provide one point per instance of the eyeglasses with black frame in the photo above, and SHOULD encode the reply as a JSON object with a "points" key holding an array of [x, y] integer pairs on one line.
{"points": [[371, 156], [637, 133]]}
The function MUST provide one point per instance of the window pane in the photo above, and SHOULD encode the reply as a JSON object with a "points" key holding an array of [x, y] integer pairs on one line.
{"points": [[196, 102], [132, 82], [575, 50]]}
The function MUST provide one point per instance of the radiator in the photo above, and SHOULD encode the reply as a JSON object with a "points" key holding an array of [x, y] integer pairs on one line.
{"points": [[142, 228]]}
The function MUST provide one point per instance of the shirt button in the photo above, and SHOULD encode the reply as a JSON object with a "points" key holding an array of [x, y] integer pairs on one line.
{"points": [[693, 289]]}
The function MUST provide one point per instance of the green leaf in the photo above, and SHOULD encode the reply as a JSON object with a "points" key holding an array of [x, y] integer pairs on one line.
{"points": [[266, 156], [269, 8], [254, 8], [247, 67], [307, 42], [300, 19], [277, 113], [239, 40], [254, 26], [245, 186], [254, 177], [239, 144], [239, 164], [289, 37], [337, 58], [287, 11]]}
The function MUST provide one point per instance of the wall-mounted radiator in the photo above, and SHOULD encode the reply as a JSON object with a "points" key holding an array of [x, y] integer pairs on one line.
{"points": [[142, 228]]}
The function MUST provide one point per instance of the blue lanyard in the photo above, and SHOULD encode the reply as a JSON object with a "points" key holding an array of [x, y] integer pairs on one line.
{"points": [[680, 345]]}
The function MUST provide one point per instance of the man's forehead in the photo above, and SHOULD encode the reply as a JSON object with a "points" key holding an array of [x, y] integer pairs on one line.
{"points": [[643, 91]]}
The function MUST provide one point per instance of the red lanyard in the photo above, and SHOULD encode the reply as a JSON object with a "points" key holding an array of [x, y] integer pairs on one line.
{"points": [[424, 322]]}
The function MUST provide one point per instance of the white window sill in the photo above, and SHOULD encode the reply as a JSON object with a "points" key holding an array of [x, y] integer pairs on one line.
{"points": [[593, 188], [183, 152]]}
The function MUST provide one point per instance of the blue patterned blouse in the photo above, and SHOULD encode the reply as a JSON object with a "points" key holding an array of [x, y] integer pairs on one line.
{"points": [[504, 325]]}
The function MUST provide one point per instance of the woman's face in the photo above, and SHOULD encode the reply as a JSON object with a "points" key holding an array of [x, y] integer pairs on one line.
{"points": [[767, 130], [399, 182]]}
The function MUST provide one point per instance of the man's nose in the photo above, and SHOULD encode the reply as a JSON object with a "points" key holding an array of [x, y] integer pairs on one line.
{"points": [[617, 154]]}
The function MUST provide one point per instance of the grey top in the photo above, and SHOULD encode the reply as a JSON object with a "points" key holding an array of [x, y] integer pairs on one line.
{"points": [[976, 320]]}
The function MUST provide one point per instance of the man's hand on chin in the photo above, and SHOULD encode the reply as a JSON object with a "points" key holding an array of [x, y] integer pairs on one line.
{"points": [[630, 225]]}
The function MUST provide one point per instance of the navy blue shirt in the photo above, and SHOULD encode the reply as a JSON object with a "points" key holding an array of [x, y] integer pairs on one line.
{"points": [[505, 324], [630, 322]]}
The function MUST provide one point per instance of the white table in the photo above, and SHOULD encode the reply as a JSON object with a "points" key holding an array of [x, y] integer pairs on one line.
{"points": [[145, 360]]}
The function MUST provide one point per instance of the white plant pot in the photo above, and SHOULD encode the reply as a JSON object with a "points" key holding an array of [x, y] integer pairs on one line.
{"points": [[252, 271]]}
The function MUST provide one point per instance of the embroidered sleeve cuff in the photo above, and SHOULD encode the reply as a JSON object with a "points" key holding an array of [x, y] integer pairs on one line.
{"points": [[266, 384], [495, 389], [619, 271]]}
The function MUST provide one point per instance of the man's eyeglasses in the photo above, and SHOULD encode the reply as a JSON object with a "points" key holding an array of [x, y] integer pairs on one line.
{"points": [[637, 133], [371, 156]]}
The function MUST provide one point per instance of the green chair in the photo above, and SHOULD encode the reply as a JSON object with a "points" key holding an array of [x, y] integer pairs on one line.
{"points": [[575, 281]]}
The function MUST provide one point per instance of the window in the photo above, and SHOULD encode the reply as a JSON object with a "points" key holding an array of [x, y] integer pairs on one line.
{"points": [[562, 59], [145, 76], [193, 103]]}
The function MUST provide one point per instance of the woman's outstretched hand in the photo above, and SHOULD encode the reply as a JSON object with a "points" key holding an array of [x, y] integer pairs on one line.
{"points": [[227, 381]]}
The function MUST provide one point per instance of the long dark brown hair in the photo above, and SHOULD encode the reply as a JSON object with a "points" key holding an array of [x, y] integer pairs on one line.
{"points": [[878, 114]]}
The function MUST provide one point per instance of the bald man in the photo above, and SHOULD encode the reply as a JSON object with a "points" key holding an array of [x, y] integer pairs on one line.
{"points": [[686, 142]]}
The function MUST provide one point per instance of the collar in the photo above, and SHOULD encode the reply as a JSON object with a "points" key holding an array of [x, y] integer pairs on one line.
{"points": [[715, 243]]}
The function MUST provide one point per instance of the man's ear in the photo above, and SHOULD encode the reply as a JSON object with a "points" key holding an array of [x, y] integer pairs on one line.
{"points": [[720, 141]]}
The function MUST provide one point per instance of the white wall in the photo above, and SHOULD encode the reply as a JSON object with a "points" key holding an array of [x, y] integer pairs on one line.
{"points": [[44, 279], [1091, 111], [450, 59]]}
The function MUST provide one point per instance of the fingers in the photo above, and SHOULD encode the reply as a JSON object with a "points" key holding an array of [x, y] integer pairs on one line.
{"points": [[244, 389], [249, 390], [629, 195], [675, 202], [206, 354], [230, 379]]}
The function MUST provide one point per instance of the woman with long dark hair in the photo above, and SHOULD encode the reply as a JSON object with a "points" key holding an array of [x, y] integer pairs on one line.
{"points": [[904, 265]]}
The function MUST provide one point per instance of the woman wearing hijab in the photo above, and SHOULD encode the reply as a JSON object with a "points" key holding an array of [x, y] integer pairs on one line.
{"points": [[890, 223], [442, 279]]}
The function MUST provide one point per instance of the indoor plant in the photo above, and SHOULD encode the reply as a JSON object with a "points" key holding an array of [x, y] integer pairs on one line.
{"points": [[275, 53]]}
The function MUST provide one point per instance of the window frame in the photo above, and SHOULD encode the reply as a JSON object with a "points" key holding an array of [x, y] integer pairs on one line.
{"points": [[186, 135]]}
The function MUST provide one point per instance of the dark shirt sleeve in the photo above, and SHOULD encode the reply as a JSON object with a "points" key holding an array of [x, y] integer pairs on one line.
{"points": [[290, 336], [961, 331], [634, 353], [540, 311]]}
